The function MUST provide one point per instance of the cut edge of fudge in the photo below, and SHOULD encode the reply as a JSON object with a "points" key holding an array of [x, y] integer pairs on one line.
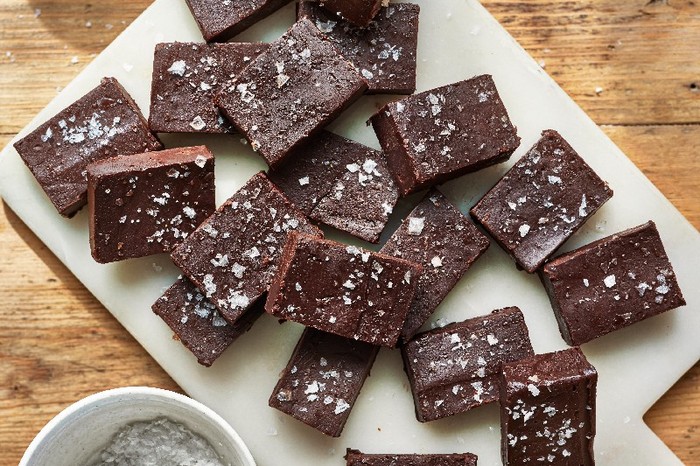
{"points": [[69, 201], [355, 323], [546, 376], [550, 274], [482, 211], [132, 167], [355, 457], [349, 352]]}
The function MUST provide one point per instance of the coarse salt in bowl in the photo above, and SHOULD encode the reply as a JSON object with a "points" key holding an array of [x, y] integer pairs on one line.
{"points": [[78, 433]]}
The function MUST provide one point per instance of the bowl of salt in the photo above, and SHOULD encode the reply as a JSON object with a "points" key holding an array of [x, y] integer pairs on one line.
{"points": [[137, 425]]}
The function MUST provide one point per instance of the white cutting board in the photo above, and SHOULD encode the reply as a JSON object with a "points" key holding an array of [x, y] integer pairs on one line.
{"points": [[458, 39]]}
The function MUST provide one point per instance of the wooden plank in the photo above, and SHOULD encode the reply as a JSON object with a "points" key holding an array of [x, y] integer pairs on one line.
{"points": [[58, 344]]}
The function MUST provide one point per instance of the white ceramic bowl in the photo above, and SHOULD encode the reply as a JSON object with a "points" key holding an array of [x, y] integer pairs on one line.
{"points": [[78, 432]]}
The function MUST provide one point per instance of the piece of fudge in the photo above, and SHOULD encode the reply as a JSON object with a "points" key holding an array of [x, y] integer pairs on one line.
{"points": [[220, 20], [103, 123], [197, 323], [343, 289], [540, 202], [611, 283], [384, 52], [456, 368], [548, 410], [357, 458], [358, 12], [443, 133], [322, 380], [340, 183], [186, 76], [290, 92], [148, 203], [234, 254], [439, 237]]}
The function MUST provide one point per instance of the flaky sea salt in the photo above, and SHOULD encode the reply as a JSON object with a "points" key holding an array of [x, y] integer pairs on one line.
{"points": [[160, 441]]}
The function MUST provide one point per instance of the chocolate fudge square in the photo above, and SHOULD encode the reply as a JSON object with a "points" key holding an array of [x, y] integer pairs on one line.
{"points": [[384, 52], [439, 237], [443, 133], [456, 368], [358, 12], [290, 92], [611, 283], [234, 254], [323, 379], [187, 76], [357, 458], [548, 406], [197, 323], [543, 200], [220, 20], [340, 183], [343, 289], [148, 203], [103, 123]]}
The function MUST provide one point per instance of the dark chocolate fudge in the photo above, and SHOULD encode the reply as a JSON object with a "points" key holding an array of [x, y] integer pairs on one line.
{"points": [[446, 132], [290, 92], [103, 123], [220, 20], [322, 380], [455, 368], [340, 183], [197, 323], [343, 289], [148, 203], [358, 12], [384, 52], [611, 283], [234, 254], [548, 410], [543, 200], [186, 76], [357, 458], [440, 238]]}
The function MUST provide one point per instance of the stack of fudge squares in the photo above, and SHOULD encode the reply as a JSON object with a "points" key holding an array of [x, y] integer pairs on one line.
{"points": [[262, 250]]}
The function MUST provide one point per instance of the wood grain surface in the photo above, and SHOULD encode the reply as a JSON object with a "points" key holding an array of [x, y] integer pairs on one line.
{"points": [[633, 65]]}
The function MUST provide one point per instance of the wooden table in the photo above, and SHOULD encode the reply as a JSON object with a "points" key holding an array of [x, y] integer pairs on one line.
{"points": [[633, 65]]}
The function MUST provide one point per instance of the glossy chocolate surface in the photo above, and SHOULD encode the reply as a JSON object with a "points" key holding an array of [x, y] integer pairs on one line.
{"points": [[357, 458]]}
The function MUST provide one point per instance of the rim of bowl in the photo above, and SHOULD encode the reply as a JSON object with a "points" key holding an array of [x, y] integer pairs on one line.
{"points": [[137, 390]]}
